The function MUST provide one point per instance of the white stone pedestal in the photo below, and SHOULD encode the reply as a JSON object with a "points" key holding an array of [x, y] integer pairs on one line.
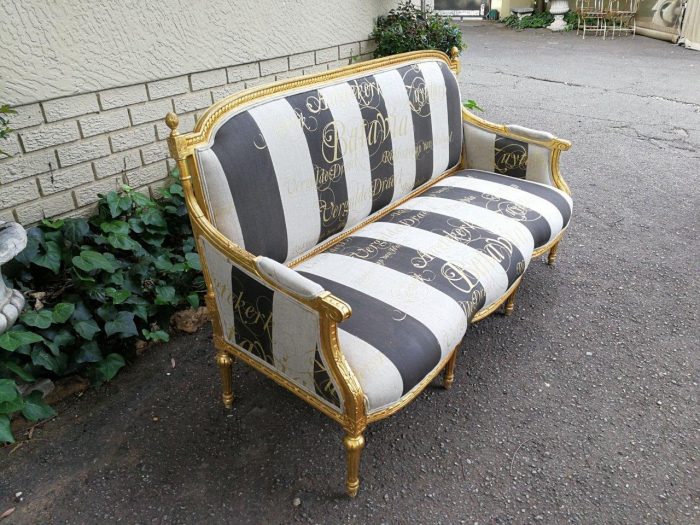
{"points": [[13, 240], [558, 8]]}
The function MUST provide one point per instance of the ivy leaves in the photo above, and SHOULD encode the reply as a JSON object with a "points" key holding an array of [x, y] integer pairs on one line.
{"points": [[32, 407], [98, 285]]}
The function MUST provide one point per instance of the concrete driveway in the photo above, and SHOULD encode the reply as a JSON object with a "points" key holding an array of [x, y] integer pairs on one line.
{"points": [[580, 408]]}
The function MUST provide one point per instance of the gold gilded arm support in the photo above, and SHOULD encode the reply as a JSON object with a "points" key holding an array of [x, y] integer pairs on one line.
{"points": [[537, 138]]}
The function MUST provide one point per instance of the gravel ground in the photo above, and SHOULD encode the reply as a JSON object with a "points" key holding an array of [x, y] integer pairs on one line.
{"points": [[580, 408]]}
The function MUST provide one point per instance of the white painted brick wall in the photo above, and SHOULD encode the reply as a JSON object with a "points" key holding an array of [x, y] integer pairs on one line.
{"points": [[23, 166], [168, 87], [302, 60], [133, 137], [66, 151], [104, 122], [274, 65], [118, 97], [66, 179], [63, 108], [45, 208], [29, 115], [208, 79], [155, 152], [243, 72], [326, 55], [349, 50], [338, 63], [18, 193], [367, 46], [224, 91], [49, 135], [147, 174], [10, 145], [150, 111], [117, 163], [260, 81], [89, 193], [83, 151], [192, 101]]}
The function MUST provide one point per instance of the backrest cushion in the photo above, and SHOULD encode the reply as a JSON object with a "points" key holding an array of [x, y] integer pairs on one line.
{"points": [[281, 175]]}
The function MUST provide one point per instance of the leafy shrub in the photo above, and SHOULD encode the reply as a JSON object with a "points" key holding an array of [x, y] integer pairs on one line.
{"points": [[534, 21], [94, 286], [407, 28], [5, 129], [571, 19], [538, 20]]}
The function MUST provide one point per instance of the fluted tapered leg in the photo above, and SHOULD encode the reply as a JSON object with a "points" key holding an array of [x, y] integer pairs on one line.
{"points": [[449, 376], [510, 302], [552, 256], [225, 362], [353, 451]]}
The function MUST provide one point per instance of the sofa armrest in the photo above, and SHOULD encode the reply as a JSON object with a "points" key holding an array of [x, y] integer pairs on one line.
{"points": [[270, 319], [513, 150], [284, 278]]}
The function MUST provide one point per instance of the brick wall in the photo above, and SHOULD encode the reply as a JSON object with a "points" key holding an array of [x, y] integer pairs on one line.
{"points": [[68, 150]]}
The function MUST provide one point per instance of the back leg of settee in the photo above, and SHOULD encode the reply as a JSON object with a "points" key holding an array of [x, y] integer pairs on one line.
{"points": [[509, 305], [225, 362], [449, 376], [552, 256]]}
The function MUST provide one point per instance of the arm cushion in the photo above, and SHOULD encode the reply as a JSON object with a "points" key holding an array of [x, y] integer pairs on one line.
{"points": [[268, 324], [288, 279], [512, 150]]}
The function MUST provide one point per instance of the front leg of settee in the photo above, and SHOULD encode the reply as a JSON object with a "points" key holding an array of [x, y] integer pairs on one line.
{"points": [[515, 151]]}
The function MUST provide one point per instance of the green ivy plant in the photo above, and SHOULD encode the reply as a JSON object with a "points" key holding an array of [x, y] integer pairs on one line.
{"points": [[5, 128], [408, 28], [93, 287], [539, 20], [472, 105]]}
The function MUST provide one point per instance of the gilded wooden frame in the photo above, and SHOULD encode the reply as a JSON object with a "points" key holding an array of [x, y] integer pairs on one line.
{"points": [[331, 310]]}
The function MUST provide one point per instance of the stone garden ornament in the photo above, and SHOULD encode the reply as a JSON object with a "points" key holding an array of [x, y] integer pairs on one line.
{"points": [[558, 8], [13, 240]]}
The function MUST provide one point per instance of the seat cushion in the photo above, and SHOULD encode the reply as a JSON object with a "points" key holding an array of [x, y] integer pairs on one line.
{"points": [[416, 277], [543, 209]]}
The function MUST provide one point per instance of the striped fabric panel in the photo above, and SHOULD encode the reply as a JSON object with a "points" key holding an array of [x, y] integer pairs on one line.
{"points": [[245, 159], [273, 329], [291, 172], [414, 279], [378, 138], [411, 346], [509, 239], [499, 248], [485, 150], [539, 227], [510, 157], [542, 192], [315, 120], [419, 101]]}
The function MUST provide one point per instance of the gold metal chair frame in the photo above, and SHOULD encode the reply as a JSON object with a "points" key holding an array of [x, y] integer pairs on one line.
{"points": [[331, 310]]}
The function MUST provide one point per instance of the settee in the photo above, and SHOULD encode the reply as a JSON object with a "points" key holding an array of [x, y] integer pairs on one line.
{"points": [[351, 225]]}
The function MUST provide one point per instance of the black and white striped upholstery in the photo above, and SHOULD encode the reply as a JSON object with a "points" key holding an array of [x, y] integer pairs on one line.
{"points": [[416, 277], [289, 172]]}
